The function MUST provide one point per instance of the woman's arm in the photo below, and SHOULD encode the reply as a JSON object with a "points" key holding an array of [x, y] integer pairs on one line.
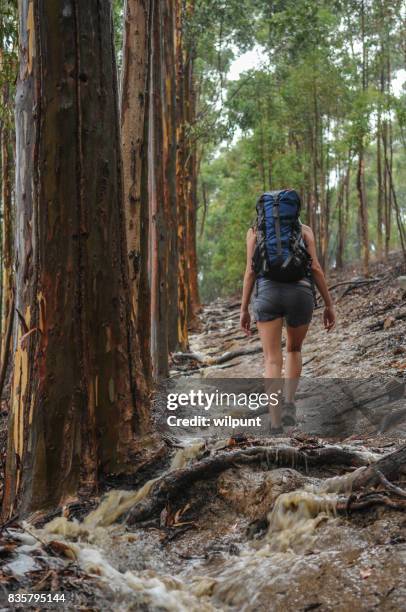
{"points": [[249, 280], [329, 316]]}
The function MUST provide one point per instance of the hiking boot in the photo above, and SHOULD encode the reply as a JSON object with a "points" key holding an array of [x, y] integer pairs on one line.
{"points": [[276, 431], [289, 414]]}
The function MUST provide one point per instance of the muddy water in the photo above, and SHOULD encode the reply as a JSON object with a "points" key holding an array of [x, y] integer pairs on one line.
{"points": [[307, 558]]}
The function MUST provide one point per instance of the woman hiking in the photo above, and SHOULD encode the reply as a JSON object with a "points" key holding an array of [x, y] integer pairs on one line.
{"points": [[282, 264]]}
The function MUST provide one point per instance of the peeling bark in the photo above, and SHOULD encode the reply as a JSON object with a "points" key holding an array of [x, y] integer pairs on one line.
{"points": [[74, 409], [159, 230], [134, 136], [170, 144], [191, 171], [7, 289], [181, 187]]}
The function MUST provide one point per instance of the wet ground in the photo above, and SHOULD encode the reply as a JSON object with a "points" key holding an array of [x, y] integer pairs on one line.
{"points": [[207, 550]]}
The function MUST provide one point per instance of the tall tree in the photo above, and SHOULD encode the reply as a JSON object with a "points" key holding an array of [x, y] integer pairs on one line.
{"points": [[158, 207], [191, 164], [361, 137], [181, 182], [134, 142], [74, 415], [169, 152], [8, 70], [7, 289]]}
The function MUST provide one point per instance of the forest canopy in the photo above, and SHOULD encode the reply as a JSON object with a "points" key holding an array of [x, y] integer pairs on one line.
{"points": [[323, 111]]}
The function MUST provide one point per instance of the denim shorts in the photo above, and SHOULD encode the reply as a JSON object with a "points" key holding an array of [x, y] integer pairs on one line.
{"points": [[274, 300]]}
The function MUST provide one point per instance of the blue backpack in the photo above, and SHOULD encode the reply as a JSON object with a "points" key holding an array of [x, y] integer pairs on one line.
{"points": [[280, 252]]}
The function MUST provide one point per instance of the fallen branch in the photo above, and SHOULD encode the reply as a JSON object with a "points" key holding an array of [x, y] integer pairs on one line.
{"points": [[379, 324], [177, 481], [390, 486], [355, 283], [309, 360]]}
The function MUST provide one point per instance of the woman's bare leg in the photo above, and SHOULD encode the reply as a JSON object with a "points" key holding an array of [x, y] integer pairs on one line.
{"points": [[270, 333], [293, 363]]}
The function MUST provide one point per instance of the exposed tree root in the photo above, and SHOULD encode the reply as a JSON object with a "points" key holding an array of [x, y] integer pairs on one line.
{"points": [[207, 361], [173, 483], [389, 486], [370, 500], [389, 466]]}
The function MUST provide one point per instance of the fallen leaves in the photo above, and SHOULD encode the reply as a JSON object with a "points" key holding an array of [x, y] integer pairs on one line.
{"points": [[61, 550], [399, 365], [389, 322]]}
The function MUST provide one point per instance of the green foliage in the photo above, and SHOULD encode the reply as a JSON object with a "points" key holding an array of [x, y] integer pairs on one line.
{"points": [[8, 60], [118, 16], [231, 191], [298, 120]]}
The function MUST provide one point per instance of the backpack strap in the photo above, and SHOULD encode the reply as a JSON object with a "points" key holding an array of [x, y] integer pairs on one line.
{"points": [[275, 213], [295, 245]]}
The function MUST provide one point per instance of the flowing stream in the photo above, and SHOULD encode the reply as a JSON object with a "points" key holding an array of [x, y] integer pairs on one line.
{"points": [[283, 565]]}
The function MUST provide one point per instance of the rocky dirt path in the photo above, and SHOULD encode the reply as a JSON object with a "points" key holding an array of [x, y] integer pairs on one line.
{"points": [[368, 344], [369, 339]]}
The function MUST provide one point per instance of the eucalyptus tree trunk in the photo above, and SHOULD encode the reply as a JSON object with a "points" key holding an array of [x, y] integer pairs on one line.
{"points": [[7, 290], [169, 114], [195, 306], [158, 228], [320, 180], [362, 196], [134, 147], [380, 168], [192, 175], [343, 215], [363, 209], [340, 222], [387, 212], [74, 414], [388, 160], [380, 192], [181, 186]]}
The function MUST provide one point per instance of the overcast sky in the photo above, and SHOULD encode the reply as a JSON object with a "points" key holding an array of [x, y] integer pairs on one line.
{"points": [[255, 57]]}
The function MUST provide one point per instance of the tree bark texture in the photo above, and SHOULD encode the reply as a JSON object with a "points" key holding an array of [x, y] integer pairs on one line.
{"points": [[191, 172], [7, 290], [159, 230], [363, 210], [74, 415], [170, 198], [134, 146], [181, 186]]}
